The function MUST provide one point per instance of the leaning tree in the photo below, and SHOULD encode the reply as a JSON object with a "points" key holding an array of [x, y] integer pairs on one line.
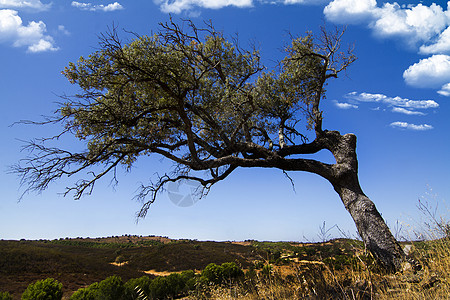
{"points": [[195, 98]]}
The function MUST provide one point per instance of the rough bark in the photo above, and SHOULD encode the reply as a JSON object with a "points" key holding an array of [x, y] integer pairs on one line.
{"points": [[369, 223]]}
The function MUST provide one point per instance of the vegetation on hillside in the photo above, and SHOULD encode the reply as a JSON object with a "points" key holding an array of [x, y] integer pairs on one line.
{"points": [[126, 268]]}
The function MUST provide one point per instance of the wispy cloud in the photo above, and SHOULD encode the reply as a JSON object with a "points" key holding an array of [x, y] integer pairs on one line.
{"points": [[177, 6], [407, 111], [33, 36], [97, 7], [392, 101], [396, 104], [63, 30], [35, 5], [408, 126], [343, 105]]}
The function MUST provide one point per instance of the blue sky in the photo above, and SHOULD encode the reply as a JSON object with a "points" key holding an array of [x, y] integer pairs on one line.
{"points": [[395, 98]]}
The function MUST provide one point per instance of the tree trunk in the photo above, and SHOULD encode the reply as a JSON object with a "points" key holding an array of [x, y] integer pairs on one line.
{"points": [[370, 225]]}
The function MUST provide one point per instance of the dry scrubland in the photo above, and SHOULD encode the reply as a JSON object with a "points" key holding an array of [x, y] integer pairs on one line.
{"points": [[338, 269], [131, 267]]}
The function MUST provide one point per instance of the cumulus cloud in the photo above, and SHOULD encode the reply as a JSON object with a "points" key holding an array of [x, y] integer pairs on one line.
{"points": [[405, 125], [350, 11], [445, 90], [97, 7], [423, 26], [177, 6], [417, 23], [33, 36], [441, 45], [36, 5], [430, 72]]}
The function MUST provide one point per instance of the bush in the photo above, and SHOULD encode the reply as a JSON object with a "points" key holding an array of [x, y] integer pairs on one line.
{"points": [[88, 293], [159, 288], [219, 274], [48, 289], [5, 296], [137, 286], [231, 271], [213, 273], [112, 288]]}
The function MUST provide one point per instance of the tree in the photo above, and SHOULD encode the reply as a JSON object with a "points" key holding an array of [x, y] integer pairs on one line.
{"points": [[48, 289], [195, 98]]}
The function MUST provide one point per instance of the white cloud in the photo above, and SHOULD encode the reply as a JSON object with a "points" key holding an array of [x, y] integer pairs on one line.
{"points": [[63, 30], [405, 125], [416, 23], [430, 72], [97, 7], [441, 45], [24, 4], [407, 111], [343, 105], [31, 36], [177, 6], [445, 90], [350, 11], [392, 101], [311, 2]]}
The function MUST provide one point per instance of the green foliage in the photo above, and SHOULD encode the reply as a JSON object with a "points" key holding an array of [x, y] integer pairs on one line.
{"points": [[88, 293], [48, 289], [137, 286], [112, 288], [266, 270], [159, 288], [5, 296], [219, 274]]}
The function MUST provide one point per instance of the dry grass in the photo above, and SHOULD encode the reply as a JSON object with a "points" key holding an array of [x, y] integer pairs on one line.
{"points": [[362, 280]]}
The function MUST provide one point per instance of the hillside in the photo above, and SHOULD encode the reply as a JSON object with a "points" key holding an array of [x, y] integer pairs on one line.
{"points": [[79, 262], [283, 270]]}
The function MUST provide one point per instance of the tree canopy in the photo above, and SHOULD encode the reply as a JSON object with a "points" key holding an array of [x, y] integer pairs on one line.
{"points": [[194, 97]]}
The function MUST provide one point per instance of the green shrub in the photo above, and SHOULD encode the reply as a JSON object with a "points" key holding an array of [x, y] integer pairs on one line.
{"points": [[219, 274], [5, 296], [159, 288], [48, 289], [88, 293], [136, 286], [112, 288], [189, 280], [213, 273], [231, 271]]}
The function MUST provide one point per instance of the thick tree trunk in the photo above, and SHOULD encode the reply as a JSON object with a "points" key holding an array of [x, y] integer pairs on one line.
{"points": [[371, 226], [369, 223]]}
